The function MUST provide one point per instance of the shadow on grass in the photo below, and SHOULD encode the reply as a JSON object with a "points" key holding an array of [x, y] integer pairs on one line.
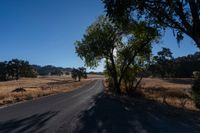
{"points": [[29, 124], [136, 115], [186, 81], [155, 90]]}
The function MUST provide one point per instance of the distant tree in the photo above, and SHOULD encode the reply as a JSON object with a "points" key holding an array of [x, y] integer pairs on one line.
{"points": [[180, 67], [67, 73], [32, 73], [103, 40], [48, 69], [14, 69], [163, 61], [184, 66], [26, 70], [183, 16], [3, 71], [82, 73], [57, 72], [79, 73], [74, 73]]}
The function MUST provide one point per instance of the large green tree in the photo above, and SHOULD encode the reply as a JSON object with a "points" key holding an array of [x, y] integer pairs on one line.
{"points": [[183, 16], [120, 49]]}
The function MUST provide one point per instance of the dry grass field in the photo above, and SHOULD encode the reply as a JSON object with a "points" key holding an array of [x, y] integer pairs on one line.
{"points": [[171, 91], [37, 87], [175, 92]]}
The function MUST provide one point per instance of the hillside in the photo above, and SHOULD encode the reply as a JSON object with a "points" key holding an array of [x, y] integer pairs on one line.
{"points": [[45, 70]]}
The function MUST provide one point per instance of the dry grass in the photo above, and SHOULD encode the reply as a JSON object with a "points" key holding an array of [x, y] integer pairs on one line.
{"points": [[169, 83], [37, 87], [171, 91]]}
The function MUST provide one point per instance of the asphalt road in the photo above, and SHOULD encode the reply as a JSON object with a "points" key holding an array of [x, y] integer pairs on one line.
{"points": [[50, 114]]}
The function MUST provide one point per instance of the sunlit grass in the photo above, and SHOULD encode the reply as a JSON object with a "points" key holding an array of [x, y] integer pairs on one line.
{"points": [[37, 87]]}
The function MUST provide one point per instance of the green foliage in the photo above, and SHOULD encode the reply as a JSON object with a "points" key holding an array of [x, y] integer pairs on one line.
{"points": [[100, 32], [163, 64], [129, 79], [121, 48], [181, 67], [196, 88], [31, 73], [14, 69], [180, 15]]}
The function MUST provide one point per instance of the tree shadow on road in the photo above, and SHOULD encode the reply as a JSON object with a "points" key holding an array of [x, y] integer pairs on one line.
{"points": [[137, 115], [29, 124]]}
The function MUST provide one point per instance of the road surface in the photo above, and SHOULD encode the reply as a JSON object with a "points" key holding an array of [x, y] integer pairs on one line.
{"points": [[50, 114], [87, 110]]}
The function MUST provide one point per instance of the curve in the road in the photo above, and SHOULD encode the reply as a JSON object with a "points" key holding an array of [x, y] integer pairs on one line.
{"points": [[49, 114]]}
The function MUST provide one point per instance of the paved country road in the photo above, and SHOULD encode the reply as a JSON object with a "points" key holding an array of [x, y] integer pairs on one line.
{"points": [[50, 114], [88, 110]]}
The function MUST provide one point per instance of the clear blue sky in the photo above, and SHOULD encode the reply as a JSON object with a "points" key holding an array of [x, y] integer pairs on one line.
{"points": [[44, 31]]}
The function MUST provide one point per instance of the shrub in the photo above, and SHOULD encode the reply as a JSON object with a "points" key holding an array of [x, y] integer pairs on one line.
{"points": [[20, 89], [196, 89]]}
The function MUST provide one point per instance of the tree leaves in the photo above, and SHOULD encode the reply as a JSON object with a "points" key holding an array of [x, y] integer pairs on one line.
{"points": [[104, 40], [182, 15]]}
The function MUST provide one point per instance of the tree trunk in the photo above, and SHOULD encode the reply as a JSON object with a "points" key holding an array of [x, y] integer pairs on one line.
{"points": [[137, 84], [197, 41], [17, 76], [116, 83], [79, 78]]}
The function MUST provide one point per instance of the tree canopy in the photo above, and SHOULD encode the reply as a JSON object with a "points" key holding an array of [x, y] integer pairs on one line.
{"points": [[183, 16], [165, 65], [14, 69], [78, 73], [121, 50]]}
